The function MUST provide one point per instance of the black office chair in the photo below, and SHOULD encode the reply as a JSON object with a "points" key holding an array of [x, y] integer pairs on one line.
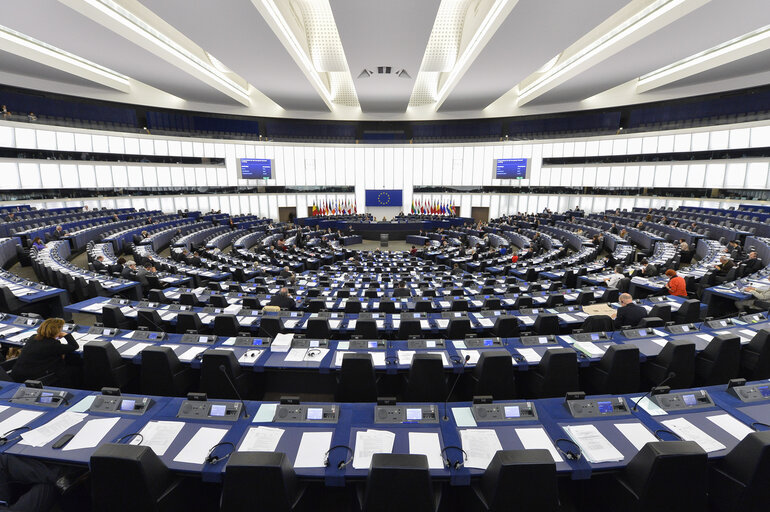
{"points": [[506, 326], [269, 326], [719, 362], [158, 296], [409, 475], [554, 301], [617, 371], [218, 301], [357, 382], [738, 482], [460, 305], [153, 487], [409, 327], [260, 481], [112, 316], [314, 306], [662, 311], [251, 303], [318, 328], [103, 367], [522, 302], [150, 319], [666, 476], [458, 328], [387, 306], [162, 374], [651, 321], [188, 321], [556, 374], [755, 357], [352, 306], [546, 323], [227, 325], [494, 375], [492, 303], [610, 295], [585, 298], [688, 312], [597, 323], [423, 306], [509, 480], [366, 329], [213, 382], [426, 381], [189, 299], [678, 356]]}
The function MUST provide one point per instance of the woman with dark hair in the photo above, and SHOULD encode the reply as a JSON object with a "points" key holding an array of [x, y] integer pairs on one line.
{"points": [[44, 354], [38, 244]]}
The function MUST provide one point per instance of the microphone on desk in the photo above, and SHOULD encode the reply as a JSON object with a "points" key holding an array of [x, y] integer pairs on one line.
{"points": [[451, 390], [670, 376], [232, 385]]}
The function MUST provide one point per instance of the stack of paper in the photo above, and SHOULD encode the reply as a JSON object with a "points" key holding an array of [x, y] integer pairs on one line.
{"points": [[536, 438], [159, 435], [636, 433], [91, 434], [428, 444], [588, 348], [135, 349], [198, 448], [378, 358], [369, 442], [282, 342], [16, 420], [261, 439], [190, 354], [529, 355], [44, 434], [312, 449], [594, 446], [480, 445], [689, 432]]}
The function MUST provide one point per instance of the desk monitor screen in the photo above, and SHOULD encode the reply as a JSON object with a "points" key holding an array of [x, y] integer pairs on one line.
{"points": [[543, 339], [685, 328], [372, 344], [127, 405], [595, 336], [203, 339], [413, 414], [314, 344], [256, 168], [511, 168], [605, 407], [642, 332], [512, 411], [315, 413], [488, 343], [256, 341], [689, 399], [764, 390], [152, 336], [217, 410], [46, 397]]}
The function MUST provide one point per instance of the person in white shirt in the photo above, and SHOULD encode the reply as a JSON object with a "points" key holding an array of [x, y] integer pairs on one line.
{"points": [[614, 279], [760, 298]]}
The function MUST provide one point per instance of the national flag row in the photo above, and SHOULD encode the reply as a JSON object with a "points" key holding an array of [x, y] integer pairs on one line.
{"points": [[426, 207], [334, 208]]}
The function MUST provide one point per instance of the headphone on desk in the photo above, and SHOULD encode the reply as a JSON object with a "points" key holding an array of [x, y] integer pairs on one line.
{"points": [[344, 462], [568, 453], [4, 439], [213, 459], [458, 463]]}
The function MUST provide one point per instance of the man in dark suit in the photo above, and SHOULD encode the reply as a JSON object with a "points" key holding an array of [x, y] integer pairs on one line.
{"points": [[194, 260], [286, 273], [58, 233], [628, 312], [721, 270], [283, 300], [456, 270], [98, 264], [753, 263], [402, 290], [648, 269], [129, 270]]}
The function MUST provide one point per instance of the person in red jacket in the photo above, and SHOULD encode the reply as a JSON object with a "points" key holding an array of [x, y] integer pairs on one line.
{"points": [[514, 258], [676, 285]]}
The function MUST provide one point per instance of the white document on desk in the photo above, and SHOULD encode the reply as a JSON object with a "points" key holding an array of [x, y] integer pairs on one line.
{"points": [[636, 433], [312, 449], [689, 432], [158, 435], [537, 438], [17, 420], [44, 434], [282, 342], [378, 358], [135, 349], [480, 445], [589, 348], [189, 354], [428, 444], [485, 322], [442, 323], [594, 446], [424, 324], [198, 448], [91, 434], [526, 320], [731, 425], [369, 442], [473, 354], [261, 439], [530, 355]]}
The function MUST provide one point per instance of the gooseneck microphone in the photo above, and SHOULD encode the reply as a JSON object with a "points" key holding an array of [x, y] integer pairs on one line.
{"points": [[670, 376], [451, 390], [232, 385]]}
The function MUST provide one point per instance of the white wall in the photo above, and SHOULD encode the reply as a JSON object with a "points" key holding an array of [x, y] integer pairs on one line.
{"points": [[387, 167]]}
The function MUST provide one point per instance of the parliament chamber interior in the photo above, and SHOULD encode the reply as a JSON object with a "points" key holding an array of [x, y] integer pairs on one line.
{"points": [[346, 256]]}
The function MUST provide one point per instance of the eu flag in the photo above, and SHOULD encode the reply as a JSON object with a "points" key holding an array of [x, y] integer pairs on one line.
{"points": [[384, 198]]}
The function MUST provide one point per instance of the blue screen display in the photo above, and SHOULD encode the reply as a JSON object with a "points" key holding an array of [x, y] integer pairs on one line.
{"points": [[689, 399], [511, 168], [764, 390], [605, 407], [256, 168]]}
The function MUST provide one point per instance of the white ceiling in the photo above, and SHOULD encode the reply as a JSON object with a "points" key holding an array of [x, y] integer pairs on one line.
{"points": [[386, 33]]}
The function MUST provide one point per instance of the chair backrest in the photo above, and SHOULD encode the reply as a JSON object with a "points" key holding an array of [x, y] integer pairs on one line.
{"points": [[651, 321], [259, 481], [100, 358], [149, 318], [113, 465], [188, 299], [554, 300], [720, 361], [739, 481], [269, 326], [458, 328], [506, 326], [408, 474], [688, 312], [522, 302], [366, 328], [426, 379], [546, 323], [112, 316], [678, 356], [509, 480], [494, 375], [597, 323], [620, 365], [492, 303], [387, 306], [584, 298], [213, 382], [558, 371], [460, 305], [357, 382], [318, 328], [218, 301], [660, 467], [157, 371], [755, 357], [226, 325], [662, 311], [423, 306], [352, 306], [409, 327], [188, 321]]}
